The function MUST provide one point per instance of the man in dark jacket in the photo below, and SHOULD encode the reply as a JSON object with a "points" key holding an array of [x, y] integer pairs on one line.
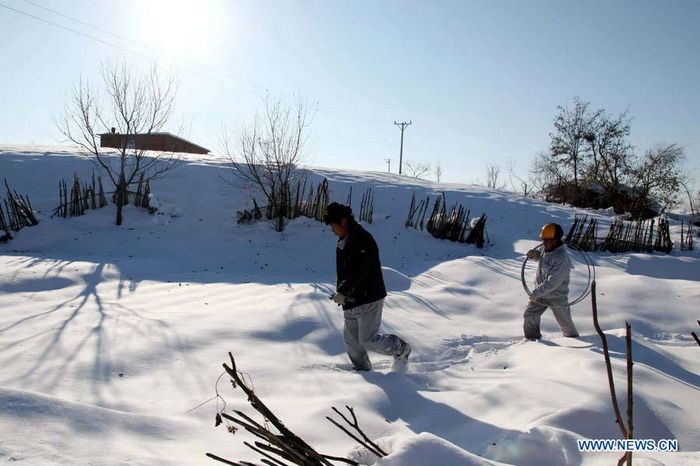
{"points": [[361, 291]]}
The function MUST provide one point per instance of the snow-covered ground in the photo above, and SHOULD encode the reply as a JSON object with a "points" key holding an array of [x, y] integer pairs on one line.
{"points": [[110, 336]]}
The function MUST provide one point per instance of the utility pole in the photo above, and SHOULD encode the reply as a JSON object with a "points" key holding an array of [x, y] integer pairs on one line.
{"points": [[403, 127], [388, 161]]}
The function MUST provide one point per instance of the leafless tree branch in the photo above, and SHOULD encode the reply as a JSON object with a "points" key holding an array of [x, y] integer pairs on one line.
{"points": [[608, 364], [525, 186], [438, 171], [493, 175], [417, 169], [136, 104], [281, 447], [267, 152], [365, 442]]}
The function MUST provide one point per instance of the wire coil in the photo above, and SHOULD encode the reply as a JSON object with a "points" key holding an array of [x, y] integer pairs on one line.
{"points": [[589, 266]]}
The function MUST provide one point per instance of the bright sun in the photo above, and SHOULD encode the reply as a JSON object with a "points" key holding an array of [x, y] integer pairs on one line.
{"points": [[178, 28]]}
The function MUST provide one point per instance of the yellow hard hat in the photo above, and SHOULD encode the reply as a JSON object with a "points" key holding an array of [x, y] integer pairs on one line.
{"points": [[551, 231]]}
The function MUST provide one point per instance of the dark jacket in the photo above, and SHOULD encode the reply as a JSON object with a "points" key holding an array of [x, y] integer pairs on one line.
{"points": [[359, 270]]}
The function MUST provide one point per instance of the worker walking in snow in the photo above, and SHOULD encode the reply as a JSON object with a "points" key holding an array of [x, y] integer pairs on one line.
{"points": [[551, 284], [361, 291]]}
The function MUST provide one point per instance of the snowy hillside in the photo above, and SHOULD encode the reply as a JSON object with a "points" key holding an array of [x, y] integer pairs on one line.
{"points": [[110, 336]]}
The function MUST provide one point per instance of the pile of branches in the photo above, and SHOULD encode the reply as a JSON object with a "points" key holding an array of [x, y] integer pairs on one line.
{"points": [[453, 224], [91, 195], [140, 196], [367, 206], [638, 236], [17, 213], [304, 200], [143, 191], [279, 446], [250, 216], [629, 236], [82, 197], [416, 213], [663, 241], [316, 200], [583, 233]]}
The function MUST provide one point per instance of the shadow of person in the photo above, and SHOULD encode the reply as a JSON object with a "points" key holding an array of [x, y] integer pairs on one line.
{"points": [[421, 414]]}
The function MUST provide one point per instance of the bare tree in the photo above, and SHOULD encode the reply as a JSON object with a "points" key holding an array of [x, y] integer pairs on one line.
{"points": [[134, 104], [524, 186], [591, 163], [657, 177], [438, 171], [550, 177], [686, 184], [493, 175], [417, 169], [568, 144], [267, 152], [687, 232], [612, 154]]}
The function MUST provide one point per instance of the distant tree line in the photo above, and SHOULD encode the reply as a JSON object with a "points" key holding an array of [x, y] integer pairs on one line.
{"points": [[591, 163]]}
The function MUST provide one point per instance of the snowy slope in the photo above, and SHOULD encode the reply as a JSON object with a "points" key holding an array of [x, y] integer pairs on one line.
{"points": [[110, 336]]}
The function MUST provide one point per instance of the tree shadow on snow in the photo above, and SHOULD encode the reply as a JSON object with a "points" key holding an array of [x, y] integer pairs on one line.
{"points": [[86, 324]]}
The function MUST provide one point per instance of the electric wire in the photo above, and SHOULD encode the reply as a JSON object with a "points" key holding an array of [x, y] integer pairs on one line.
{"points": [[176, 62], [191, 67], [590, 267]]}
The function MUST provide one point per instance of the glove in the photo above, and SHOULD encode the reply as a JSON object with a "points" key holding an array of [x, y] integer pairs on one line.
{"points": [[339, 299], [532, 254]]}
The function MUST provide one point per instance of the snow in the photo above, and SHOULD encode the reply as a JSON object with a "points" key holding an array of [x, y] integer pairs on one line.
{"points": [[111, 337]]}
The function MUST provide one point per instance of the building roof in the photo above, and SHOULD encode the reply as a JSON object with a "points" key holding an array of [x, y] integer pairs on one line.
{"points": [[163, 133]]}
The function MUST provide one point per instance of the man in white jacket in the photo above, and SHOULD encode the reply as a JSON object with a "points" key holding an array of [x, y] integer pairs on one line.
{"points": [[551, 284]]}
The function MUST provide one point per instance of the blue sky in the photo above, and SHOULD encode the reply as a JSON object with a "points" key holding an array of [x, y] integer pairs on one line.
{"points": [[480, 80]]}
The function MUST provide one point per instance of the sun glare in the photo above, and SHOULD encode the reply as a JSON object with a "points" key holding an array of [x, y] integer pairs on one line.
{"points": [[179, 28]]}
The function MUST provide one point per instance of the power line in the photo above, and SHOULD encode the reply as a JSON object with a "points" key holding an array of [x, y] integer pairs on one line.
{"points": [[65, 27], [88, 24], [140, 44], [190, 67], [252, 87]]}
